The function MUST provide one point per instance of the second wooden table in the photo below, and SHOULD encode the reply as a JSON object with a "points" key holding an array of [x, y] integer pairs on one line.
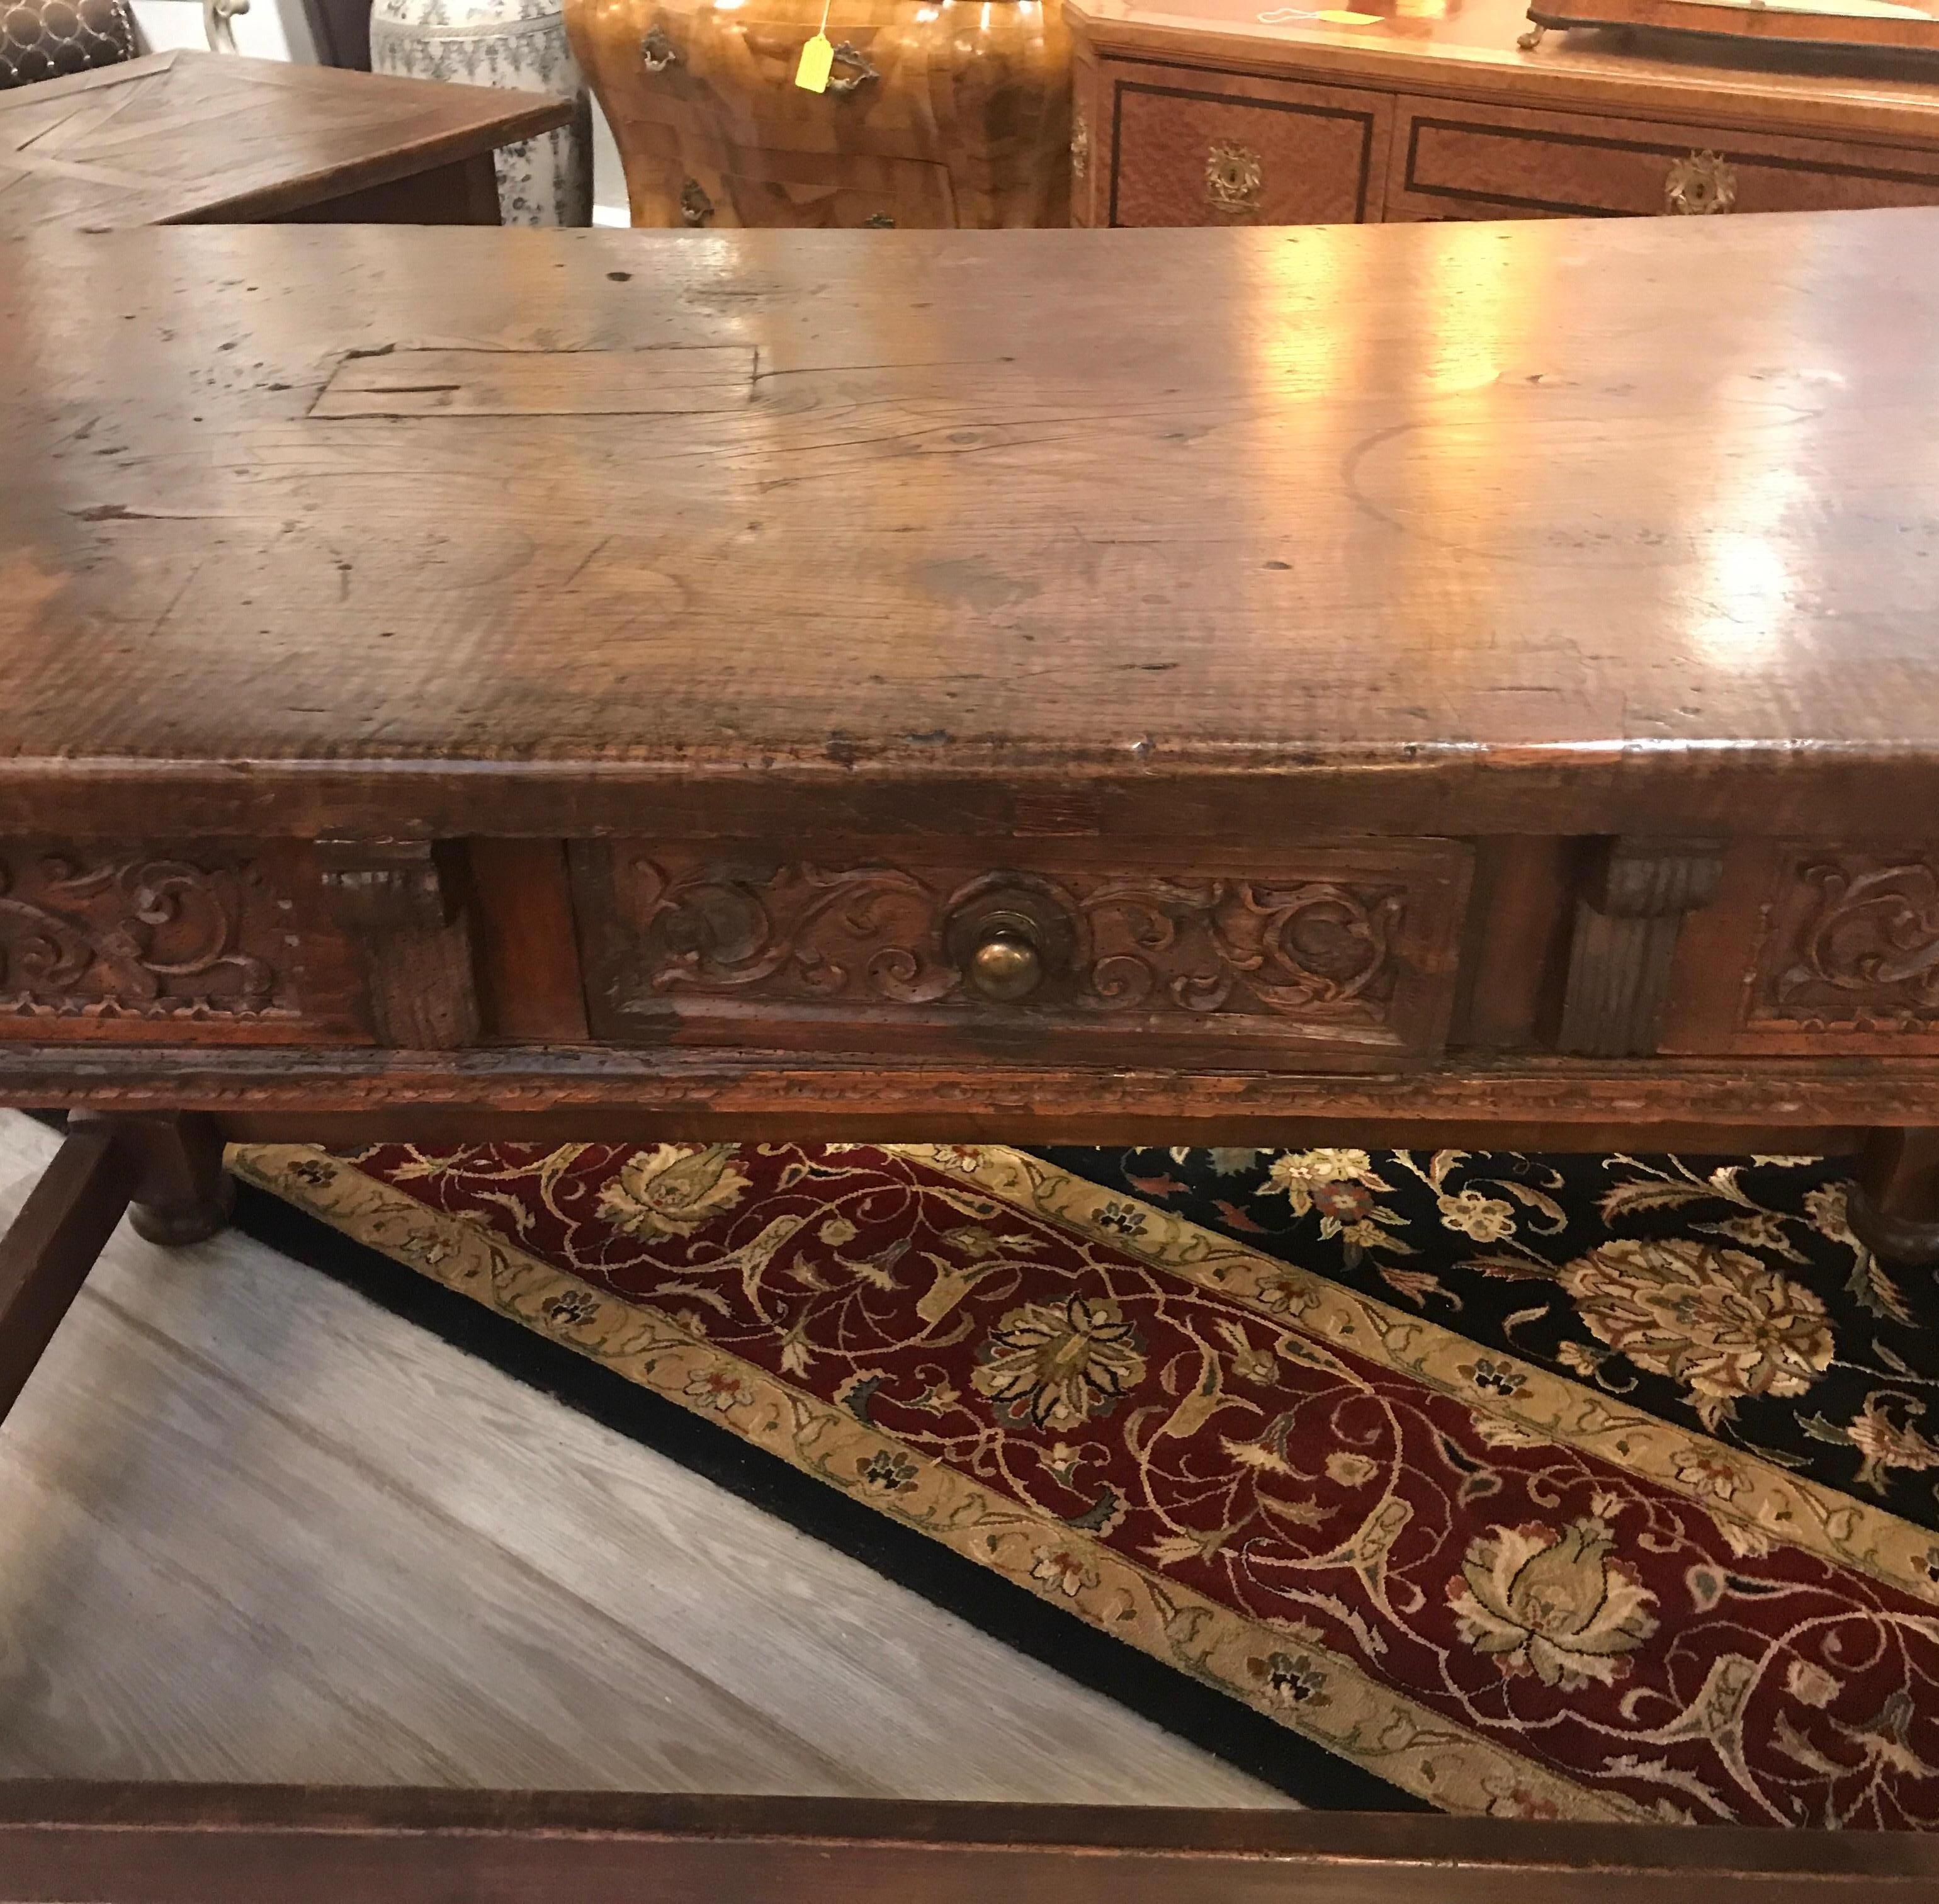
{"points": [[183, 137]]}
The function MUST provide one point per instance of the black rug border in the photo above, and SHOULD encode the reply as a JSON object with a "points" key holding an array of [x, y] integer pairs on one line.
{"points": [[1214, 1722]]}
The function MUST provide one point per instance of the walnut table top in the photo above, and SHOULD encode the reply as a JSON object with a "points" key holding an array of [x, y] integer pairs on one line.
{"points": [[1609, 528]]}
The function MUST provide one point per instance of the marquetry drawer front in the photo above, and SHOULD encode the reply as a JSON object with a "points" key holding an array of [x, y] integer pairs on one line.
{"points": [[1201, 148], [1811, 948], [1452, 161], [799, 189], [1333, 959], [175, 942]]}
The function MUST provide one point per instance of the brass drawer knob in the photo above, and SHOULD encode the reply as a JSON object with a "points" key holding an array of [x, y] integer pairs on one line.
{"points": [[1233, 177], [657, 52], [1700, 185], [848, 54], [1006, 967]]}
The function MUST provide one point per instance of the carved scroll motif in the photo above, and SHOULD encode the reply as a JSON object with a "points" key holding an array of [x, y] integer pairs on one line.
{"points": [[138, 937], [808, 934], [1865, 949]]}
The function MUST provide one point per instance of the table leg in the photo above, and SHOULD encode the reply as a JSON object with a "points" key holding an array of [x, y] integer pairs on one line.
{"points": [[1894, 1210], [180, 1193], [51, 1245]]}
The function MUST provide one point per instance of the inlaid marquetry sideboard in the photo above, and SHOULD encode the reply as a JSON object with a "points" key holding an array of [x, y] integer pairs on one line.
{"points": [[1188, 686], [1217, 111]]}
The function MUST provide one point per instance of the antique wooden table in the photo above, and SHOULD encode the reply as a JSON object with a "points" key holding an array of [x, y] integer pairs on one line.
{"points": [[1447, 684], [182, 138]]}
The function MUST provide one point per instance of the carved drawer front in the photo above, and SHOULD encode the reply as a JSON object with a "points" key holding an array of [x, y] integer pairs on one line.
{"points": [[1327, 958], [1463, 162], [1811, 948], [175, 943], [1203, 148]]}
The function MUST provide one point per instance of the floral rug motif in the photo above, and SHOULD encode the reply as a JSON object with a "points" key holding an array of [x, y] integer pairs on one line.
{"points": [[1590, 1487]]}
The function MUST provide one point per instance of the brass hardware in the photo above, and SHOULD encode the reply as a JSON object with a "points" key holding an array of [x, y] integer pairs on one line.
{"points": [[1080, 146], [1009, 933], [1232, 178], [657, 52], [1006, 967], [879, 221], [847, 53], [1699, 185], [1529, 40], [695, 207]]}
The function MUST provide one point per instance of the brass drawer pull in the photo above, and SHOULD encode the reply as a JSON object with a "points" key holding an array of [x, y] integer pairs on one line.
{"points": [[1699, 185], [1233, 176], [657, 52], [695, 207], [847, 54], [1005, 968]]}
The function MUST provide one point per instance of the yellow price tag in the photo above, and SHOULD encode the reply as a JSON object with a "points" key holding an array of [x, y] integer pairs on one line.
{"points": [[817, 61]]}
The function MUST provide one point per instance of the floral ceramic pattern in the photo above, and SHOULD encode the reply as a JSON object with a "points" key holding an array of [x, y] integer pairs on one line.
{"points": [[522, 43], [1509, 1588]]}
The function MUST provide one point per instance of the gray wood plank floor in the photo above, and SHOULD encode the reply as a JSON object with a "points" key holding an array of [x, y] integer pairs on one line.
{"points": [[256, 1528]]}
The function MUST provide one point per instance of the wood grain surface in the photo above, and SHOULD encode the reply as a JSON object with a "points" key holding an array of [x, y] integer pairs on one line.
{"points": [[1203, 533], [111, 1845], [185, 136], [750, 1095]]}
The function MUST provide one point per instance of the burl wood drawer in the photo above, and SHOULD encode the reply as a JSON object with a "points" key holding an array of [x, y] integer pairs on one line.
{"points": [[1195, 148], [176, 943], [1452, 161], [1330, 957], [809, 189], [1811, 949]]}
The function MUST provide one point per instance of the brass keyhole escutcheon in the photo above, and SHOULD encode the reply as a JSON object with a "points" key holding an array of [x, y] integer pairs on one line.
{"points": [[1701, 186], [1005, 968], [1234, 176]]}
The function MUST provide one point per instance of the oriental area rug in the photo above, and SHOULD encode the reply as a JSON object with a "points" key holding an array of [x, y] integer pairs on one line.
{"points": [[1594, 1488]]}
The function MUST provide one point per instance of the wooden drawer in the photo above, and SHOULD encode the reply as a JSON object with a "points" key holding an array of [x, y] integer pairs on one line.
{"points": [[146, 942], [817, 190], [1335, 958], [1195, 148], [1812, 949], [1452, 161]]}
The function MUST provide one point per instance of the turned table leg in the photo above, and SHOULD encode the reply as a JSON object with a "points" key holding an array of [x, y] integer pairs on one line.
{"points": [[180, 1193], [1894, 1210]]}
